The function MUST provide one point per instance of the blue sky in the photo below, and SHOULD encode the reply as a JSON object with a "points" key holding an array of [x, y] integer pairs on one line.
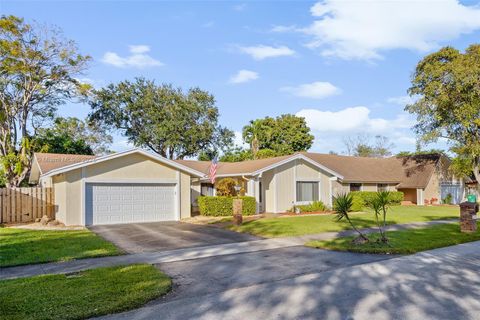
{"points": [[344, 65]]}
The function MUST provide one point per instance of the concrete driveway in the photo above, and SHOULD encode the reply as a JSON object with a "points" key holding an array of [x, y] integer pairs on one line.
{"points": [[162, 236]]}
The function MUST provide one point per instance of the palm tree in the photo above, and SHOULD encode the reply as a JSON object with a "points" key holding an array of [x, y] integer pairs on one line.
{"points": [[376, 206], [255, 133], [384, 200], [343, 205]]}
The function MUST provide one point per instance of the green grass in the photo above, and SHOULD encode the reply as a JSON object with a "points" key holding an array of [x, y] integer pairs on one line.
{"points": [[296, 226], [82, 295], [403, 242], [20, 246]]}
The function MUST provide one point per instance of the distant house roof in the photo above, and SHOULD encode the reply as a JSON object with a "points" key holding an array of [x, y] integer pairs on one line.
{"points": [[408, 172], [416, 171]]}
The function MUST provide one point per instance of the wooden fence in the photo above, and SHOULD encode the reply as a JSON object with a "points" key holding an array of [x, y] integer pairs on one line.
{"points": [[25, 204]]}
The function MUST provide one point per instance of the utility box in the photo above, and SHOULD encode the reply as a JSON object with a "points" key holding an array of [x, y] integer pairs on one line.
{"points": [[468, 216]]}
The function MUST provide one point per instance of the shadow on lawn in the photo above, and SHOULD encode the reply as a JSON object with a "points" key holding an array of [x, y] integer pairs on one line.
{"points": [[405, 241]]}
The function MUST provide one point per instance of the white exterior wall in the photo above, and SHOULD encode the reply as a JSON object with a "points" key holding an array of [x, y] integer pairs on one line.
{"points": [[268, 183], [285, 186], [70, 186], [280, 184]]}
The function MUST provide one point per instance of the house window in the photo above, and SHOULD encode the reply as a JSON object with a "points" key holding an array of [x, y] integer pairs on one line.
{"points": [[382, 187], [206, 189], [355, 187], [307, 191]]}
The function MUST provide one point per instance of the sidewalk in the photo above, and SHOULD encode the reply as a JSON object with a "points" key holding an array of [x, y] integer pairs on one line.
{"points": [[190, 253]]}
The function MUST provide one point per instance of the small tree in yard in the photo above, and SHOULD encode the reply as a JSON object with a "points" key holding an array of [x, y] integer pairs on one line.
{"points": [[343, 205], [380, 205], [226, 187]]}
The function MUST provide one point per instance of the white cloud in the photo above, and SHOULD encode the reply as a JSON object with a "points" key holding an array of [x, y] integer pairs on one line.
{"points": [[402, 100], [261, 52], [138, 58], [243, 76], [238, 140], [360, 30], [281, 29], [351, 119], [139, 49], [314, 90], [121, 145], [331, 127]]}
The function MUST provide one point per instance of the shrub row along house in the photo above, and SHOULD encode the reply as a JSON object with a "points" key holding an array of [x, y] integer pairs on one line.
{"points": [[138, 186]]}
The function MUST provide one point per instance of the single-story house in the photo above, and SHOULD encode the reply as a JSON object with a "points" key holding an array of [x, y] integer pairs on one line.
{"points": [[138, 186]]}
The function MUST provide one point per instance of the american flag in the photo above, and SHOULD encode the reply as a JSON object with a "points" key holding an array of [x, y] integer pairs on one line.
{"points": [[213, 170]]}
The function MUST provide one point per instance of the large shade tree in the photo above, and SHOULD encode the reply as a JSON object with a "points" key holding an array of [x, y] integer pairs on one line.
{"points": [[167, 120], [282, 135], [72, 136], [446, 85], [38, 72]]}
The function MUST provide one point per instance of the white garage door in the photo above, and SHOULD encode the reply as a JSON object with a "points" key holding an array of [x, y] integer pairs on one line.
{"points": [[127, 203]]}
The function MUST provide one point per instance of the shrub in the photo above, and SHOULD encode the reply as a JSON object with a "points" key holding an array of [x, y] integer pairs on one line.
{"points": [[226, 187], [343, 204], [357, 202], [3, 179], [223, 206], [448, 199], [315, 206], [396, 197]]}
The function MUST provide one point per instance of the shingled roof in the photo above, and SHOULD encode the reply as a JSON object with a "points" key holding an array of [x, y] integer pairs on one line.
{"points": [[407, 172], [233, 168], [50, 161]]}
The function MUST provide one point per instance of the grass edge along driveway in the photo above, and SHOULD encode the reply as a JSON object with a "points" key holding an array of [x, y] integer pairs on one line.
{"points": [[83, 294], [403, 241], [302, 225], [22, 246]]}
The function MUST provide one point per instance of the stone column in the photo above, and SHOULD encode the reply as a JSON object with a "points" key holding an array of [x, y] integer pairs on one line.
{"points": [[468, 216], [237, 211]]}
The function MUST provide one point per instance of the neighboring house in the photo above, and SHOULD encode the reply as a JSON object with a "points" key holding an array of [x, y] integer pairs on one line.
{"points": [[137, 186]]}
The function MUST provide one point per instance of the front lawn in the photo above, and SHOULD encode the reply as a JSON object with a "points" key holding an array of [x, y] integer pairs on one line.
{"points": [[82, 295], [296, 226], [403, 242], [21, 246]]}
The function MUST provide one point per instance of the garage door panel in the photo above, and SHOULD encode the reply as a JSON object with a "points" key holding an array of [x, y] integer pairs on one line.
{"points": [[129, 203]]}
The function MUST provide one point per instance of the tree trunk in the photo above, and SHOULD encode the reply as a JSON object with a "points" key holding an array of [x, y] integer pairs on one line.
{"points": [[358, 231], [476, 172]]}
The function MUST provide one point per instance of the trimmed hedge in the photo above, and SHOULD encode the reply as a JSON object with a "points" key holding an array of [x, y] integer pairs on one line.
{"points": [[223, 206], [364, 198], [358, 203]]}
